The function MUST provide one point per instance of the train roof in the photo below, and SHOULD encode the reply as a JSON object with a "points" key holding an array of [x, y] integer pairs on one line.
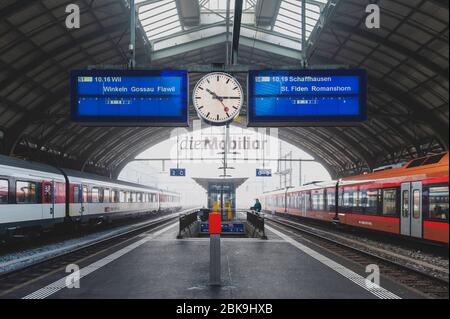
{"points": [[84, 175], [431, 166], [26, 164], [315, 185], [36, 166]]}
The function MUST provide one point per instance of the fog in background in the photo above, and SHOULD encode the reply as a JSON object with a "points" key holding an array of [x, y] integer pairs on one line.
{"points": [[207, 143]]}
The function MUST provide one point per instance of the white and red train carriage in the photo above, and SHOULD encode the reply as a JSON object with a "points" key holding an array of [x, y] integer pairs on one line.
{"points": [[32, 196], [410, 199], [36, 196]]}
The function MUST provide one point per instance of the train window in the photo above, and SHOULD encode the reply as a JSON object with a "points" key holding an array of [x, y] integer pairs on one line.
{"points": [[438, 203], [133, 197], [416, 204], [405, 203], [348, 198], [139, 197], [308, 201], [114, 198], [26, 192], [122, 197], [94, 195], [4, 191], [101, 195], [372, 200], [76, 194], [60, 192], [106, 195], [363, 198], [331, 201], [368, 200], [48, 192], [85, 194], [317, 201], [389, 202]]}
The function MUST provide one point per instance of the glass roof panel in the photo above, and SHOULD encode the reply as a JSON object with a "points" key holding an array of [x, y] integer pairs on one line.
{"points": [[161, 22], [159, 19], [222, 4], [289, 19]]}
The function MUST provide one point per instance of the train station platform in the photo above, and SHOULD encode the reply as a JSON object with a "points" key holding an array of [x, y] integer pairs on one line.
{"points": [[157, 265]]}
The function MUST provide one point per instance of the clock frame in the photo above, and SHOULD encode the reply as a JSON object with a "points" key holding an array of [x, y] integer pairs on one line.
{"points": [[218, 98]]}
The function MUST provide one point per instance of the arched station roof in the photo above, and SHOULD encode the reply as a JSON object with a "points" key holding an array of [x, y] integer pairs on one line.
{"points": [[407, 62]]}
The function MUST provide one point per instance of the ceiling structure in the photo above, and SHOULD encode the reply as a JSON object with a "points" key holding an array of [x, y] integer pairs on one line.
{"points": [[205, 182], [407, 62]]}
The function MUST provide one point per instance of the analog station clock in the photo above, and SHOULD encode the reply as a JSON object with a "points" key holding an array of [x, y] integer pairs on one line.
{"points": [[218, 98]]}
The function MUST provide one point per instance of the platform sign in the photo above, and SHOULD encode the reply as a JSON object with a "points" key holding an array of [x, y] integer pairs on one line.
{"points": [[263, 172], [234, 228], [178, 172], [129, 97], [307, 97]]}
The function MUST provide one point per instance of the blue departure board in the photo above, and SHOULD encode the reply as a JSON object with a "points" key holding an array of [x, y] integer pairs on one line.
{"points": [[307, 97], [130, 97]]}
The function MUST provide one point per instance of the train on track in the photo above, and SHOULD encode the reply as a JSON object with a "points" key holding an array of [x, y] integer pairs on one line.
{"points": [[409, 199], [36, 197]]}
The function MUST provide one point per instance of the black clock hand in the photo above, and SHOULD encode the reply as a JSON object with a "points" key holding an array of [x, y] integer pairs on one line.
{"points": [[213, 94], [229, 97]]}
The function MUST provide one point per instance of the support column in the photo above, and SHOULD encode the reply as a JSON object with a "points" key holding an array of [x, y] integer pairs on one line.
{"points": [[214, 262], [132, 46]]}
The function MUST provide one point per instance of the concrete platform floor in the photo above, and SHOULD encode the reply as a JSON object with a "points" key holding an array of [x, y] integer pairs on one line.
{"points": [[160, 266]]}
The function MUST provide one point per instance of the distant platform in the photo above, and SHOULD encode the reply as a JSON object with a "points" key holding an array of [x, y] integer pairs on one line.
{"points": [[157, 265]]}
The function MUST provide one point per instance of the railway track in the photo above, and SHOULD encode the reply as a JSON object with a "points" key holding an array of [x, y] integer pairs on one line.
{"points": [[10, 281], [423, 283]]}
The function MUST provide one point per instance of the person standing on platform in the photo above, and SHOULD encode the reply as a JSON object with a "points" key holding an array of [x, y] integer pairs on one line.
{"points": [[257, 207]]}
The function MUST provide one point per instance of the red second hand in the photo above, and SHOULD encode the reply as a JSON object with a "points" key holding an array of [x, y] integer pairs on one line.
{"points": [[225, 108]]}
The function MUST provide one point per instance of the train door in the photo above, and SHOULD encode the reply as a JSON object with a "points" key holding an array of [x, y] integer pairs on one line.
{"points": [[84, 200], [411, 209], [303, 204], [48, 199], [76, 201]]}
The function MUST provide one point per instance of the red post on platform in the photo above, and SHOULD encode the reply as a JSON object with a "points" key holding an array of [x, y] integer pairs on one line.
{"points": [[215, 228], [215, 223]]}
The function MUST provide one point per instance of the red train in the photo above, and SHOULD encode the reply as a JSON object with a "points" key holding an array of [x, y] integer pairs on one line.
{"points": [[408, 199]]}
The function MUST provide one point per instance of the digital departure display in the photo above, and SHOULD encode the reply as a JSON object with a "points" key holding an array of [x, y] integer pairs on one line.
{"points": [[130, 97], [306, 97]]}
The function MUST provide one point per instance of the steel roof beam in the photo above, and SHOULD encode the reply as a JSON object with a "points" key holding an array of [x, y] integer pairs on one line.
{"points": [[188, 46], [366, 35], [236, 31], [420, 110]]}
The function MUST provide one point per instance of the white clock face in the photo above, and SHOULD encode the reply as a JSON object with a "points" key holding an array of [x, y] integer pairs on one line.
{"points": [[218, 98]]}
